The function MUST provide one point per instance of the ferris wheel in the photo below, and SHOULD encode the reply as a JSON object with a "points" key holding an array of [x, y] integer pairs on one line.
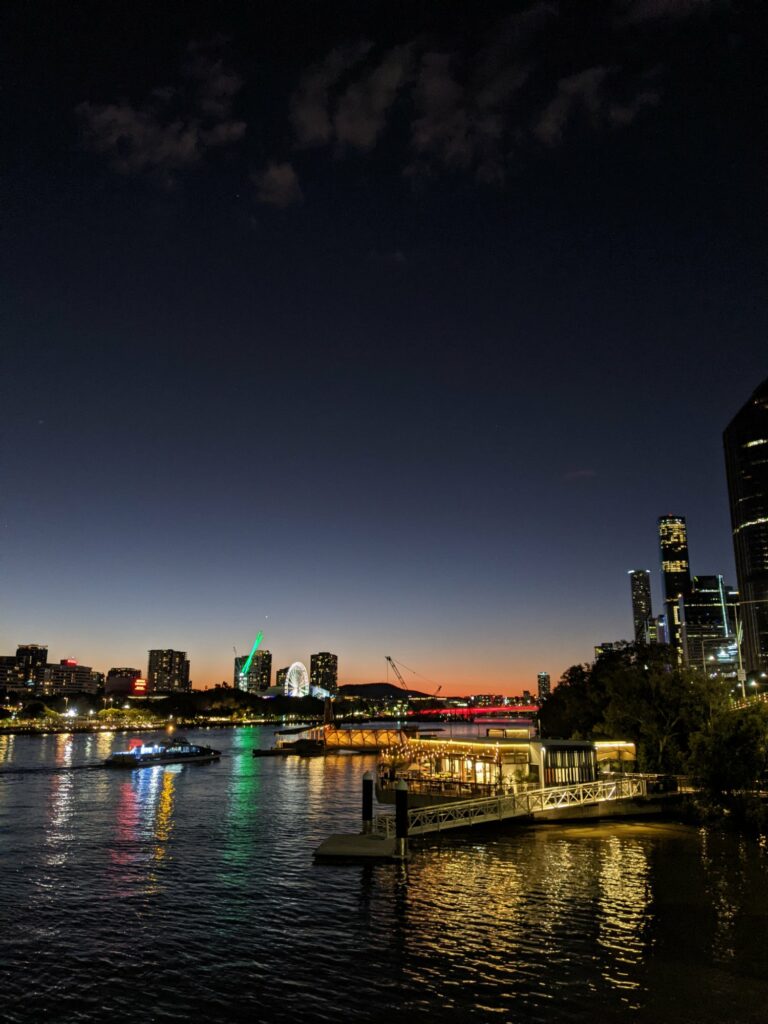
{"points": [[297, 681]]}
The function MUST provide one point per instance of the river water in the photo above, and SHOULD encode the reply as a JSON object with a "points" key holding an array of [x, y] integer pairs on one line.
{"points": [[170, 894]]}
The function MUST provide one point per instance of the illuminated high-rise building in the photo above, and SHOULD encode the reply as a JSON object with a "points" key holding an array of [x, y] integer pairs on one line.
{"points": [[642, 614], [31, 661], [746, 460], [256, 676], [324, 671], [544, 685], [675, 575], [280, 677], [168, 671]]}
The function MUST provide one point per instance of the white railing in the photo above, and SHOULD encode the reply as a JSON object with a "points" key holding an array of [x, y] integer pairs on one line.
{"points": [[461, 813]]}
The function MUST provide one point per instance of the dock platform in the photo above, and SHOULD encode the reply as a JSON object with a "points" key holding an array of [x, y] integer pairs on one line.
{"points": [[357, 847]]}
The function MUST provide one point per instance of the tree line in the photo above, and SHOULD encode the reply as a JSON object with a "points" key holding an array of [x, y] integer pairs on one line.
{"points": [[682, 721]]}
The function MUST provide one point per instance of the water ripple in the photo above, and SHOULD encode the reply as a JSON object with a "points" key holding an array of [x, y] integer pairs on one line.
{"points": [[162, 895]]}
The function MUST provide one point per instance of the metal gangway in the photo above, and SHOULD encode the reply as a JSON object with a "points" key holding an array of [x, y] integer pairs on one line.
{"points": [[462, 813]]}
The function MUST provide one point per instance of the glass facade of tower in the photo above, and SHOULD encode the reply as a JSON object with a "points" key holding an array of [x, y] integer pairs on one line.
{"points": [[324, 671], [675, 575], [746, 460], [640, 583]]}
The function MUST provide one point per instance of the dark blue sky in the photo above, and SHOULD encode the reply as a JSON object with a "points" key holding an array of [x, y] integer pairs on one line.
{"points": [[387, 332]]}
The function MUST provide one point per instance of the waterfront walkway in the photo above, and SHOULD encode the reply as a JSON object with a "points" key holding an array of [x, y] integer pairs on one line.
{"points": [[531, 803]]}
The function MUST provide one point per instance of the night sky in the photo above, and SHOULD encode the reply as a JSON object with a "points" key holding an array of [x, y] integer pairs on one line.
{"points": [[386, 328]]}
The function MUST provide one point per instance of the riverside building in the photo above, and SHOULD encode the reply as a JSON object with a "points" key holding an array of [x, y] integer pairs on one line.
{"points": [[31, 661], [168, 671], [68, 678], [124, 682], [324, 672]]}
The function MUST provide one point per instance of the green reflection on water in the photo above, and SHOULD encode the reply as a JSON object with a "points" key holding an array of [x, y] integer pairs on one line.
{"points": [[243, 805]]}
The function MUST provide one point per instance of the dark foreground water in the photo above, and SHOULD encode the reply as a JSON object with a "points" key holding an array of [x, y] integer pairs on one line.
{"points": [[184, 894]]}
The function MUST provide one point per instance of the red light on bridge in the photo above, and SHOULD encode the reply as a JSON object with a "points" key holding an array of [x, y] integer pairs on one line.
{"points": [[509, 709]]}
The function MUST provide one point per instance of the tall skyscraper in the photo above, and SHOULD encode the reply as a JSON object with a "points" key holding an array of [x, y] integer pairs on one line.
{"points": [[168, 671], [259, 675], [640, 583], [544, 685], [675, 575], [746, 461], [324, 671]]}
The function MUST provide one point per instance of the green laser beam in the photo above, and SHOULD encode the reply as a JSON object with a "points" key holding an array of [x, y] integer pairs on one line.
{"points": [[256, 642]]}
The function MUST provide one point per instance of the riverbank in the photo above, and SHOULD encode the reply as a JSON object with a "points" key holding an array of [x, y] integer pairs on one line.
{"points": [[47, 729], [742, 813]]}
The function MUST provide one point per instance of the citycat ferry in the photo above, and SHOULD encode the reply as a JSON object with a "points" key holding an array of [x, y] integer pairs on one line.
{"points": [[172, 751]]}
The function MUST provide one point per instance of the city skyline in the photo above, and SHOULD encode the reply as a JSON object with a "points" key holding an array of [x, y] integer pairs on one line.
{"points": [[395, 335], [511, 681]]}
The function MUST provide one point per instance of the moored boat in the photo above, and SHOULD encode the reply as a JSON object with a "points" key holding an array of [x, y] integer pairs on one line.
{"points": [[172, 751]]}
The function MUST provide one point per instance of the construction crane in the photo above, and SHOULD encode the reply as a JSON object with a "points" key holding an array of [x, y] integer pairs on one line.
{"points": [[403, 683], [396, 670]]}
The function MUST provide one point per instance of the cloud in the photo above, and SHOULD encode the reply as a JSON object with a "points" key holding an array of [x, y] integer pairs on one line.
{"points": [[310, 115], [462, 127], [635, 11], [278, 185], [588, 91], [173, 128], [136, 140], [478, 106], [361, 112], [340, 101]]}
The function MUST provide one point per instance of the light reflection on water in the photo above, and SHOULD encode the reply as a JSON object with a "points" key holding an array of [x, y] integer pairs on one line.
{"points": [[208, 870]]}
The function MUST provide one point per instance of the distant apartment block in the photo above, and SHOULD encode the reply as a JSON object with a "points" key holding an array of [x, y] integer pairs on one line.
{"points": [[122, 682], [256, 676], [168, 671], [324, 671], [68, 677]]}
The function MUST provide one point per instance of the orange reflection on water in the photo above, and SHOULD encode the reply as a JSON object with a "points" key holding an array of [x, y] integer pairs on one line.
{"points": [[60, 835]]}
